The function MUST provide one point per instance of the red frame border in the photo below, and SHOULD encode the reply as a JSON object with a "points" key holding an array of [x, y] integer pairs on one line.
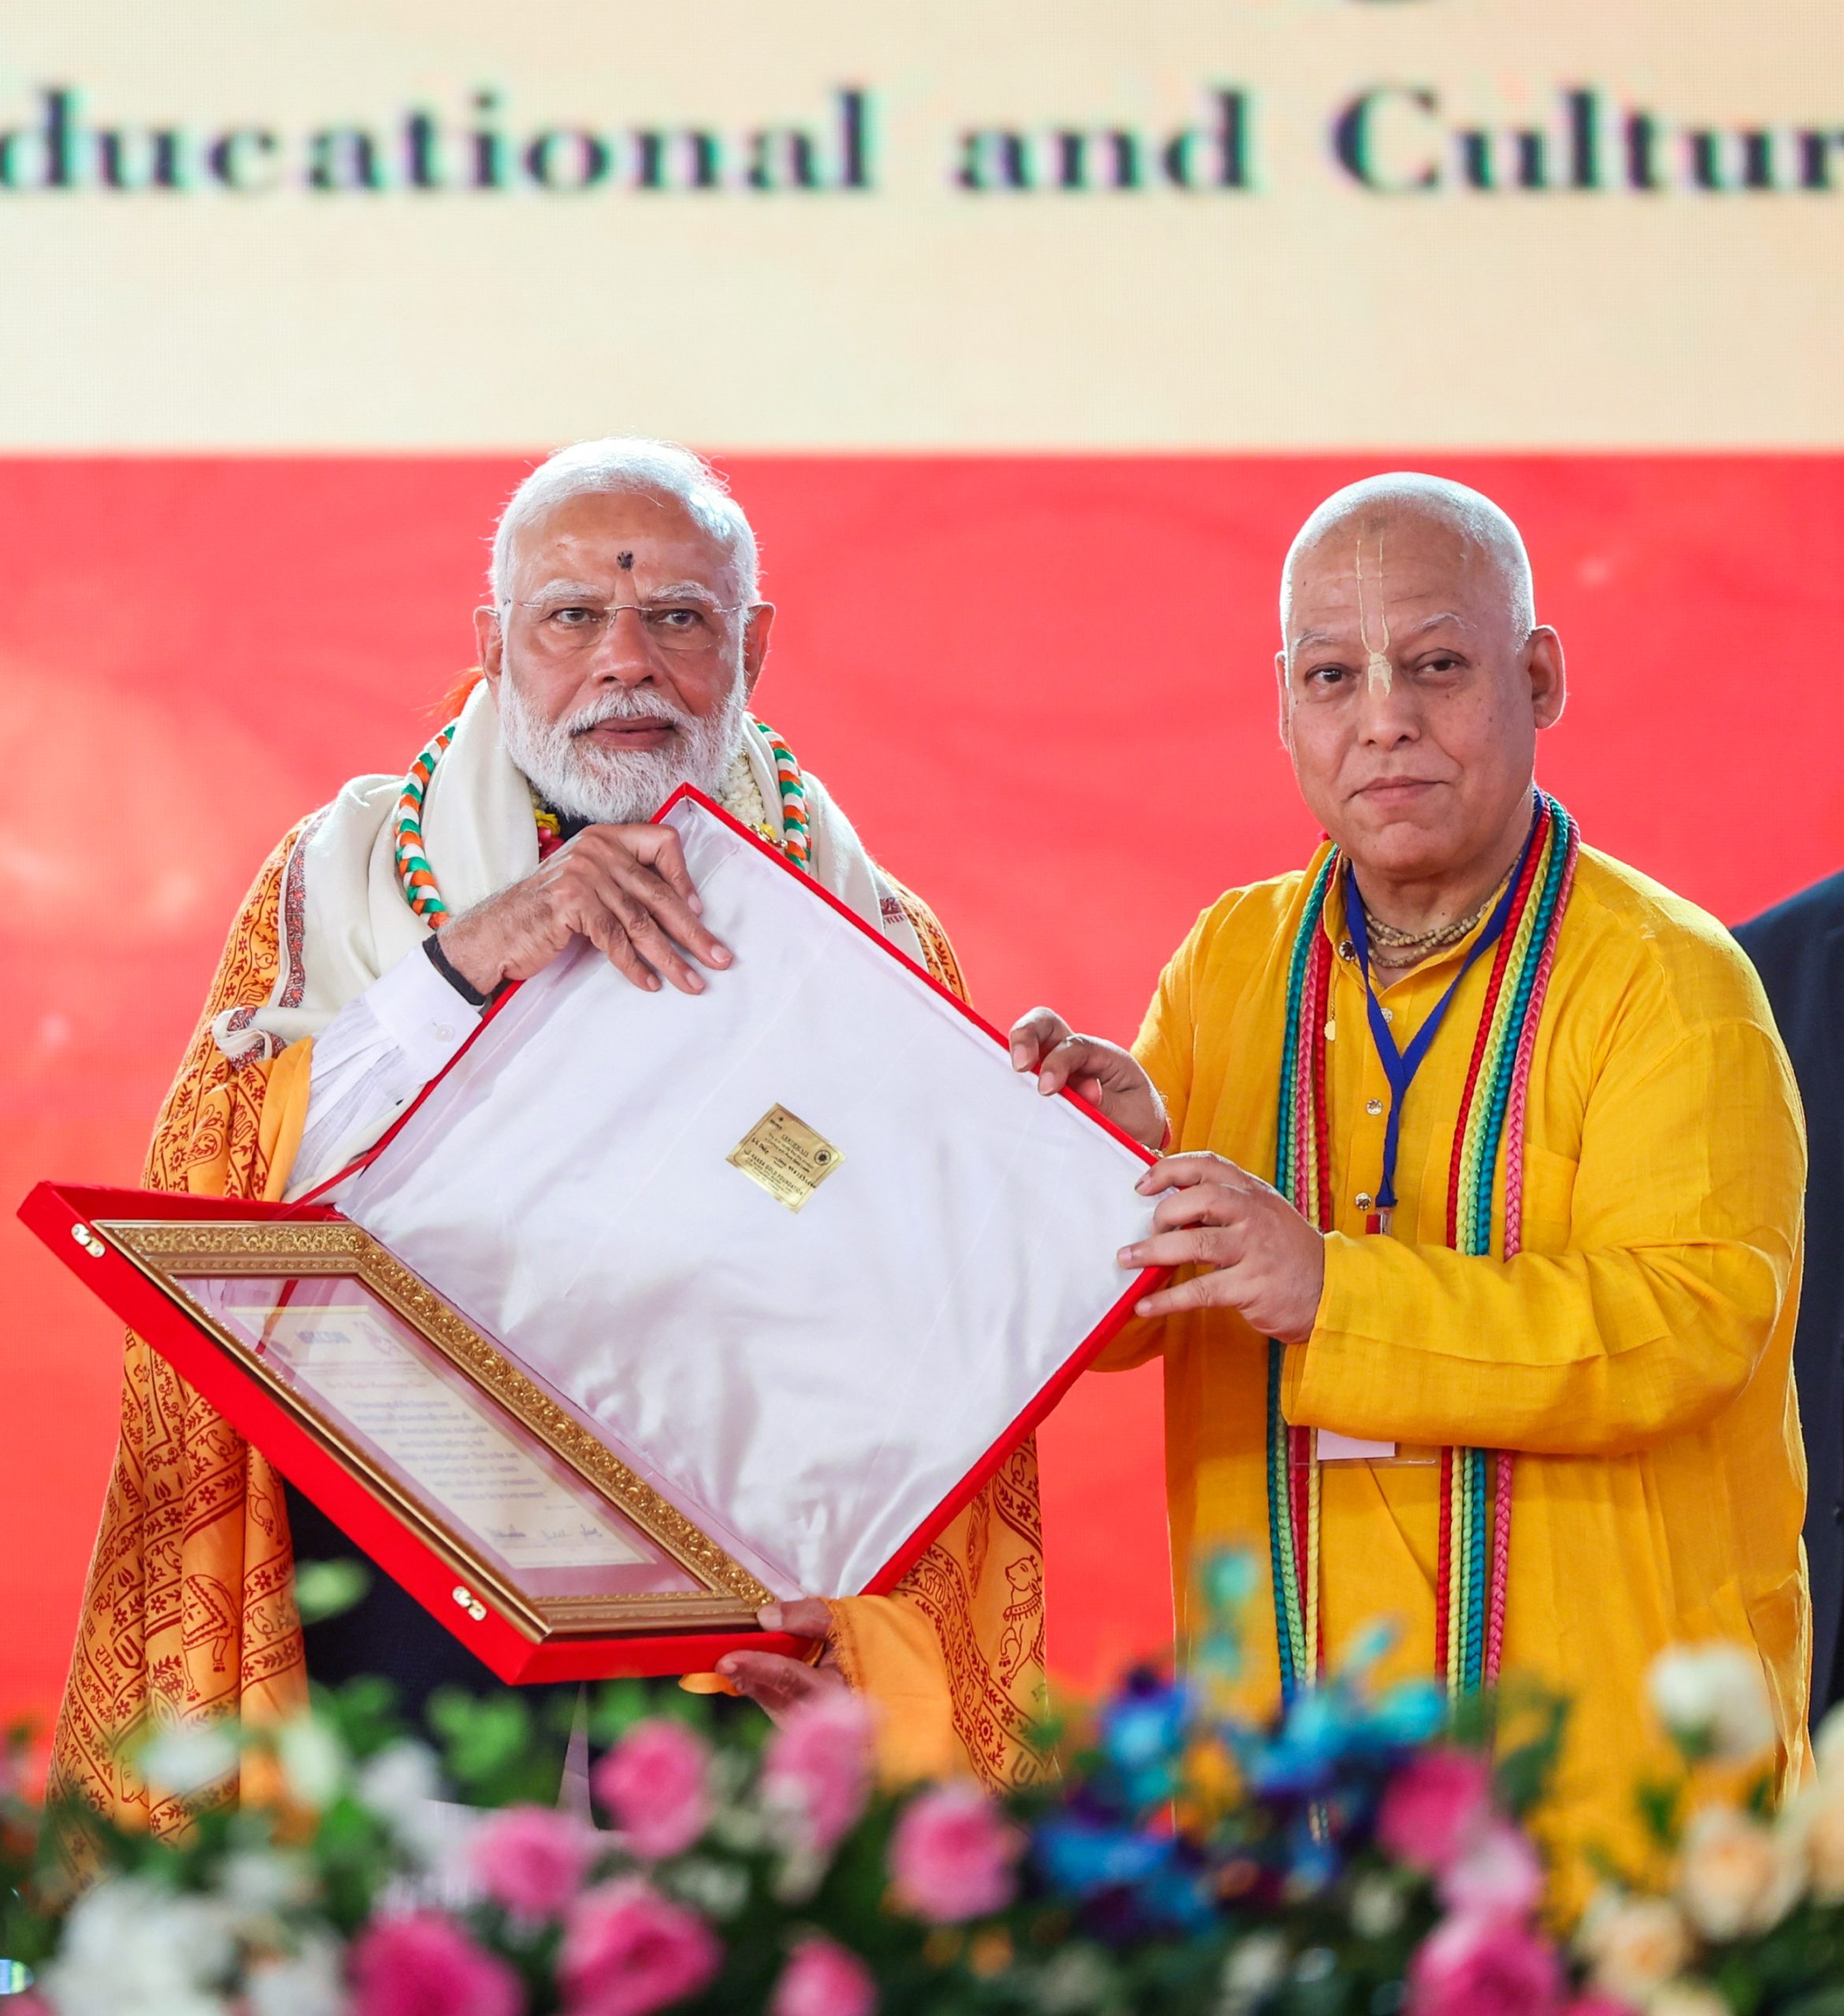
{"points": [[53, 1210]]}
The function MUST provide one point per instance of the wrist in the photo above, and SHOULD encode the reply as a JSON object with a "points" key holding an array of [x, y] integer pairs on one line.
{"points": [[459, 951], [1309, 1319], [1153, 1129]]}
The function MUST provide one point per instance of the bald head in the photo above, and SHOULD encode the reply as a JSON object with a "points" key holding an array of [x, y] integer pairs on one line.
{"points": [[1414, 681], [1360, 515]]}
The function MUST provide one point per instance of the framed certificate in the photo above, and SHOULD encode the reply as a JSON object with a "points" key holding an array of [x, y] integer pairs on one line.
{"points": [[658, 1308]]}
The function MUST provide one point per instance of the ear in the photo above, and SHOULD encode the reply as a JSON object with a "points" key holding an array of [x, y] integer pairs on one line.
{"points": [[762, 620], [1285, 694], [1548, 677], [490, 644]]}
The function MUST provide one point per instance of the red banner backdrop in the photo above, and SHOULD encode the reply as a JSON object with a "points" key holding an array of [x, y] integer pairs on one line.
{"points": [[1041, 687]]}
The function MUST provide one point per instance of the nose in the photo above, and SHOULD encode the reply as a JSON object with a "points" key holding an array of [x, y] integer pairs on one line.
{"points": [[624, 653], [1388, 718]]}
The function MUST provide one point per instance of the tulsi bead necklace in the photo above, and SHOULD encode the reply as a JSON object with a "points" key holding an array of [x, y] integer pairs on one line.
{"points": [[1474, 1555]]}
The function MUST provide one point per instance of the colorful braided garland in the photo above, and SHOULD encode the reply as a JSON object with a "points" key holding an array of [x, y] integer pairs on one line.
{"points": [[793, 790], [414, 874], [417, 879], [1475, 1537]]}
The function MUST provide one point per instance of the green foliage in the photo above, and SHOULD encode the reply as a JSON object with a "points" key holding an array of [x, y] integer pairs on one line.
{"points": [[327, 1588], [497, 1752]]}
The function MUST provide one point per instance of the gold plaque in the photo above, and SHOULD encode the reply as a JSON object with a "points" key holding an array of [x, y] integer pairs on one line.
{"points": [[785, 1156]]}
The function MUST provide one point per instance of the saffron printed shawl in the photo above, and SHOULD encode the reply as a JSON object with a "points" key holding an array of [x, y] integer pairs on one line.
{"points": [[188, 1615]]}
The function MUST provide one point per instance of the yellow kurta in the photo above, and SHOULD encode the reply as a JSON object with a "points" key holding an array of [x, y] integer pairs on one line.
{"points": [[1636, 1355]]}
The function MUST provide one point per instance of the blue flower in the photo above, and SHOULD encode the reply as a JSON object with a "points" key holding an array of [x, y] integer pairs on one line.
{"points": [[1227, 1581], [1143, 1737], [1148, 1880], [1082, 1858], [1412, 1712]]}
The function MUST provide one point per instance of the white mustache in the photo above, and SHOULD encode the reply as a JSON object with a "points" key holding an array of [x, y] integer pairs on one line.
{"points": [[622, 707]]}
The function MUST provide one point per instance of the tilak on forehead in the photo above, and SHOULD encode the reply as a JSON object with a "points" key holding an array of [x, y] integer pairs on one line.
{"points": [[1381, 674], [626, 562]]}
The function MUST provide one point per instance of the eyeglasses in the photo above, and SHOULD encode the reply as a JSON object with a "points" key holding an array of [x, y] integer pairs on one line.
{"points": [[564, 626]]}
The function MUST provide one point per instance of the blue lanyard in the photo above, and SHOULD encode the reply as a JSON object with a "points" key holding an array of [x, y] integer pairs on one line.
{"points": [[1401, 1065]]}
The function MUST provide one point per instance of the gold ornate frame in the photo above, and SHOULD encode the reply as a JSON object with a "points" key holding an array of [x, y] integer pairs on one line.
{"points": [[169, 1252]]}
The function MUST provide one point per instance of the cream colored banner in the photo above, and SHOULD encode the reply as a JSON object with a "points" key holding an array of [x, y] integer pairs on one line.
{"points": [[1067, 224]]}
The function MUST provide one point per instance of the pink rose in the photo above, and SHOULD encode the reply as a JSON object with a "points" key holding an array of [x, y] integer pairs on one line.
{"points": [[1433, 1806], [424, 1964], [1469, 1966], [531, 1859], [822, 1979], [1495, 1874], [628, 1950], [951, 1855], [656, 1784], [818, 1767]]}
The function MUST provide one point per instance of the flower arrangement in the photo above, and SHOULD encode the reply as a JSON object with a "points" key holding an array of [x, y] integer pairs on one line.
{"points": [[1365, 1852]]}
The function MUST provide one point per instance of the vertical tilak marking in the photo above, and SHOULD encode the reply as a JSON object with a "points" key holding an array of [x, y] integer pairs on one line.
{"points": [[1377, 670]]}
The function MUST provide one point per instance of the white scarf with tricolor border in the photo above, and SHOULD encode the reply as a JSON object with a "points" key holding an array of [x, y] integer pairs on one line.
{"points": [[345, 920]]}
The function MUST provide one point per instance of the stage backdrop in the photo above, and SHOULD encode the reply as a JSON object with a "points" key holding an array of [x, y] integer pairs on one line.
{"points": [[1027, 336]]}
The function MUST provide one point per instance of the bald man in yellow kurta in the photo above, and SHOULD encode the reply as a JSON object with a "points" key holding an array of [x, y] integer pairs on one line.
{"points": [[1634, 1356]]}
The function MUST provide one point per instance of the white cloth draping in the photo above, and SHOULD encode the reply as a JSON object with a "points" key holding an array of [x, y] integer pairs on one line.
{"points": [[809, 1386]]}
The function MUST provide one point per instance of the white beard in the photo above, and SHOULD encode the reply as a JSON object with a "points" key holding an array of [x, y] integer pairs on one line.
{"points": [[613, 786]]}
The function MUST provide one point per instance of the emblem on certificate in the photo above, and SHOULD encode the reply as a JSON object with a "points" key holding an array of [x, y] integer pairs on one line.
{"points": [[785, 1156]]}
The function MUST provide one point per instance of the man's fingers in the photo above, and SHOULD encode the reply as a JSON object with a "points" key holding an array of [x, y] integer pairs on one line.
{"points": [[1035, 1034], [649, 938], [772, 1682], [1203, 1204], [661, 901], [809, 1617], [1201, 1246], [654, 874], [607, 934], [1073, 1057], [1203, 1291], [667, 856], [1182, 1172]]}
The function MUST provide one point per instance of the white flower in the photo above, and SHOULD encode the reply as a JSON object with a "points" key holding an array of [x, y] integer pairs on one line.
{"points": [[307, 1983], [133, 1948], [314, 1761], [1257, 1966], [1076, 1979], [1636, 1944], [1712, 1697], [187, 1757], [258, 1884], [1735, 1875], [402, 1773], [1376, 1907], [403, 1785], [718, 1889], [1687, 1998], [1812, 1824], [1827, 1744]]}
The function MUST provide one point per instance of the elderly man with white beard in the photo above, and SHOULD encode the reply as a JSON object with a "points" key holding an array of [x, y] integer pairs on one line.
{"points": [[618, 658]]}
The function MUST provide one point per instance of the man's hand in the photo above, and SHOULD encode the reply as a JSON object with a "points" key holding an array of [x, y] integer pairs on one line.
{"points": [[625, 888], [1102, 1073], [1266, 1260], [778, 1685]]}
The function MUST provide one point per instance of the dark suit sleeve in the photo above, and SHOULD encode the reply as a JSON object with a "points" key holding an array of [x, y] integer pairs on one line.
{"points": [[1797, 948]]}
